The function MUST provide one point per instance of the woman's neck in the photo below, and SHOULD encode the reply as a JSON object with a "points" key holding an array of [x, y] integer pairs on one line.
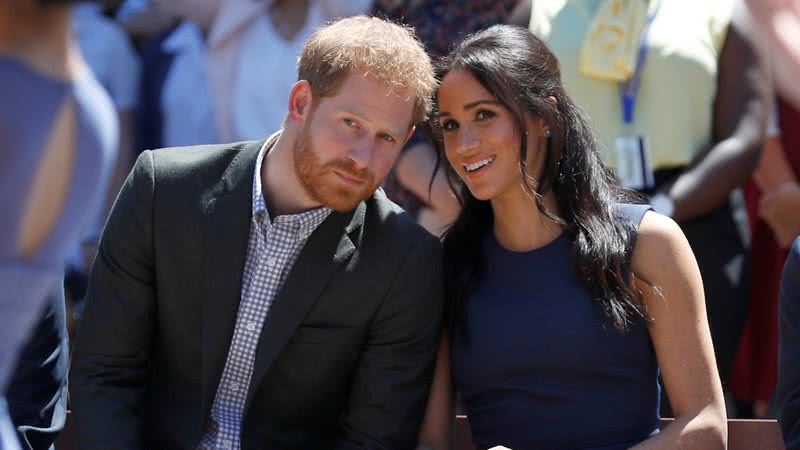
{"points": [[41, 36], [519, 225]]}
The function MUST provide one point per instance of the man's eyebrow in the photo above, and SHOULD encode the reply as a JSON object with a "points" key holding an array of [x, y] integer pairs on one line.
{"points": [[391, 131], [471, 105]]}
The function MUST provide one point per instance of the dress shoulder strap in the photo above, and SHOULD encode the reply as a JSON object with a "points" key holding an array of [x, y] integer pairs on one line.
{"points": [[633, 212]]}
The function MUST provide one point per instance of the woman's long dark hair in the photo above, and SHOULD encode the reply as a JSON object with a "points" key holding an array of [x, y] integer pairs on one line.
{"points": [[522, 73]]}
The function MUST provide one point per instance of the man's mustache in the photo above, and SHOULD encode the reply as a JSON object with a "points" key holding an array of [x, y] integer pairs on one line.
{"points": [[348, 168]]}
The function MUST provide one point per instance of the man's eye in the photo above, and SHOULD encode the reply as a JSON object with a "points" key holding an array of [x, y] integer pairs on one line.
{"points": [[387, 138], [350, 122]]}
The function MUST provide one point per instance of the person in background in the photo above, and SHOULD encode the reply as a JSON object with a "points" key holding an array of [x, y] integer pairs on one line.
{"points": [[561, 309], [412, 182], [58, 135], [226, 70], [679, 95], [787, 392], [265, 294], [114, 62], [778, 22], [773, 206], [143, 22], [175, 104], [780, 205]]}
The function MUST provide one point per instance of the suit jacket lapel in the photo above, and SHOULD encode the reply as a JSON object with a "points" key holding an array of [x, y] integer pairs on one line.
{"points": [[328, 248], [228, 214]]}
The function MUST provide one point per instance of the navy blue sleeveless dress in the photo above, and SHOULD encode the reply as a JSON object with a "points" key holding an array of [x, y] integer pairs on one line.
{"points": [[539, 368]]}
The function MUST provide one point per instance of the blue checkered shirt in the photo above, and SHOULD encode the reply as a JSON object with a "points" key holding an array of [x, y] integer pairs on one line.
{"points": [[272, 249]]}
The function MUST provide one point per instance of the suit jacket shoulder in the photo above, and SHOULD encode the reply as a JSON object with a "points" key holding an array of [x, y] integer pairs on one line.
{"points": [[204, 162]]}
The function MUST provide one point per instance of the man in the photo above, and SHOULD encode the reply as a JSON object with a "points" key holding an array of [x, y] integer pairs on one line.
{"points": [[262, 294], [787, 392]]}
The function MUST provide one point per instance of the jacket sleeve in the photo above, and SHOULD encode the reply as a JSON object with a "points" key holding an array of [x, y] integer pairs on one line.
{"points": [[37, 394], [393, 379], [787, 392], [110, 361]]}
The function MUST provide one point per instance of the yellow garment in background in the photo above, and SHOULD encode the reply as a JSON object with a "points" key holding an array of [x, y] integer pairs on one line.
{"points": [[674, 105], [610, 49]]}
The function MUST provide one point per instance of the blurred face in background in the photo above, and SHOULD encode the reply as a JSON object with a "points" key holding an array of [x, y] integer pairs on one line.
{"points": [[201, 12]]}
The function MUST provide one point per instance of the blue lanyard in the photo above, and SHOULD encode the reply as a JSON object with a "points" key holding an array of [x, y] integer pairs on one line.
{"points": [[628, 89]]}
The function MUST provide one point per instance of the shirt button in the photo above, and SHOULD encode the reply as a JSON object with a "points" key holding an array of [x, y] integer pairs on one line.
{"points": [[234, 387], [271, 261], [251, 326]]}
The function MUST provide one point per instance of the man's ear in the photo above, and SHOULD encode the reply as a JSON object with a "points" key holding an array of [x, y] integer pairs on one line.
{"points": [[300, 101], [410, 132]]}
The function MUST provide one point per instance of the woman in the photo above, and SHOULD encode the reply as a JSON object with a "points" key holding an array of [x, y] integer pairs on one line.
{"points": [[678, 96], [439, 25], [559, 322], [58, 134]]}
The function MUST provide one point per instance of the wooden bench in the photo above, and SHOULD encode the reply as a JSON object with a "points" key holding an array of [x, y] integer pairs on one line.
{"points": [[742, 434]]}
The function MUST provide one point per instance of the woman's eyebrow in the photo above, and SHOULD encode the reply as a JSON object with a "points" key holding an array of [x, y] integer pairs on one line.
{"points": [[471, 105]]}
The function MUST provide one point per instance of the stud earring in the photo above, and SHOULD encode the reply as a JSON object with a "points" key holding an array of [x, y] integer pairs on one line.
{"points": [[547, 133]]}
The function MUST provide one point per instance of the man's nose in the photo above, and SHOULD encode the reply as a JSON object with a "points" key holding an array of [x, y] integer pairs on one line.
{"points": [[361, 153]]}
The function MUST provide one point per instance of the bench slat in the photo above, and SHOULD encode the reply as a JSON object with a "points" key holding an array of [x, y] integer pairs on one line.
{"points": [[742, 434]]}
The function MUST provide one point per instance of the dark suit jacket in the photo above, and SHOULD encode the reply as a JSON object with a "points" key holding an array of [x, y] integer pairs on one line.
{"points": [[37, 393], [787, 392], [345, 358]]}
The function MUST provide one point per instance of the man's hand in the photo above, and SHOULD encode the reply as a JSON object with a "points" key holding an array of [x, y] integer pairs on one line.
{"points": [[781, 210]]}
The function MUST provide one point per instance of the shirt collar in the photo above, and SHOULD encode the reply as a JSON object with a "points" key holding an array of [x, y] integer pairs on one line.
{"points": [[304, 223], [186, 36]]}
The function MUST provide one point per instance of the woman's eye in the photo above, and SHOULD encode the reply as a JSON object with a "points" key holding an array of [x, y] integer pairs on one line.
{"points": [[449, 125], [484, 114], [350, 122]]}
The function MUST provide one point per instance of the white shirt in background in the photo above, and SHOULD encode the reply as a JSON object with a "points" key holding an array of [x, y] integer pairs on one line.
{"points": [[186, 102]]}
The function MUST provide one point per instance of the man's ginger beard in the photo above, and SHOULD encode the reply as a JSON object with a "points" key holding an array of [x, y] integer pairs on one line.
{"points": [[319, 181]]}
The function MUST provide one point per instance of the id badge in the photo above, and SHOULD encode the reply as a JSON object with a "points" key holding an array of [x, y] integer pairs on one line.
{"points": [[634, 164]]}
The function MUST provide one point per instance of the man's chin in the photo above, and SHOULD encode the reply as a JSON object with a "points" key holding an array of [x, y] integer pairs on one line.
{"points": [[342, 205], [342, 202]]}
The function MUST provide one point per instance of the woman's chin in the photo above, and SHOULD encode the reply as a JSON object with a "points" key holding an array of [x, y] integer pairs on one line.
{"points": [[482, 194]]}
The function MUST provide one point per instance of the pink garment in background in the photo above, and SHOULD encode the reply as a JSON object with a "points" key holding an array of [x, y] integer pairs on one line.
{"points": [[223, 45], [779, 21]]}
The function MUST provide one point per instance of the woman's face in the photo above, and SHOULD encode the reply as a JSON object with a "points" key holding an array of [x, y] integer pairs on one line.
{"points": [[481, 139]]}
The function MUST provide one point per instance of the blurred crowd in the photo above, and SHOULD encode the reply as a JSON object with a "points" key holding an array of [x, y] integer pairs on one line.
{"points": [[706, 127]]}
